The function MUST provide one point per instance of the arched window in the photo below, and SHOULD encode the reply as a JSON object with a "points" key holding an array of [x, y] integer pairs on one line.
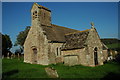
{"points": [[35, 51], [95, 49]]}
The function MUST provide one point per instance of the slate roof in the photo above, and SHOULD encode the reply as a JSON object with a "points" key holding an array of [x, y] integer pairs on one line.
{"points": [[76, 40], [56, 33], [73, 39]]}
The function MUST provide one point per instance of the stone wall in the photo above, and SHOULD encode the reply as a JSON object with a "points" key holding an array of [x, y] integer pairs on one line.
{"points": [[31, 40], [86, 55], [42, 14], [82, 56], [49, 52], [45, 17], [74, 57], [105, 54], [93, 41], [36, 39], [54, 52], [43, 48]]}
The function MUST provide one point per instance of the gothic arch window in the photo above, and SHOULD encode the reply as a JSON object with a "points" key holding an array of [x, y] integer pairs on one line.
{"points": [[95, 49]]}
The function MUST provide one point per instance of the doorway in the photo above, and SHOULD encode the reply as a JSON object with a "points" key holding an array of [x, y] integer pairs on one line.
{"points": [[35, 55], [95, 56]]}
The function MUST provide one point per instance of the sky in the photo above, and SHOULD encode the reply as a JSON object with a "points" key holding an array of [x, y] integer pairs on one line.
{"points": [[76, 15], [60, 0]]}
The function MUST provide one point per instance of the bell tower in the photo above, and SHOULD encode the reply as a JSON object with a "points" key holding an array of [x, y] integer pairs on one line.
{"points": [[40, 15]]}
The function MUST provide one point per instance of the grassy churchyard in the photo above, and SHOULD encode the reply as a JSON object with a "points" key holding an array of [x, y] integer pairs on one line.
{"points": [[14, 68]]}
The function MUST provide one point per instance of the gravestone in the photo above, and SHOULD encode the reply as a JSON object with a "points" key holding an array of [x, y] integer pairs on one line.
{"points": [[51, 72]]}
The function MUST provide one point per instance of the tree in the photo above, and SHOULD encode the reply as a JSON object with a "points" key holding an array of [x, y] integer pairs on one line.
{"points": [[6, 44], [19, 50], [0, 43], [22, 36]]}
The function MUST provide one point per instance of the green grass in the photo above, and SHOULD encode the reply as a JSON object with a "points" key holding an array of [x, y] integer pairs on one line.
{"points": [[13, 68], [114, 45]]}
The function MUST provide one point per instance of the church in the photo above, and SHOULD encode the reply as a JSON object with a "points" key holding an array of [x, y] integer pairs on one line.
{"points": [[47, 43]]}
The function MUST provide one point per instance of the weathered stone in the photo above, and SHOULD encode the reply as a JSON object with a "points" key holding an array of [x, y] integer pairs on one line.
{"points": [[87, 48], [47, 43], [51, 72]]}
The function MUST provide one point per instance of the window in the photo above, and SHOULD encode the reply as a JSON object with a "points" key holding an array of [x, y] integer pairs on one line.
{"points": [[95, 49], [34, 15], [35, 51], [36, 12], [57, 51], [60, 51]]}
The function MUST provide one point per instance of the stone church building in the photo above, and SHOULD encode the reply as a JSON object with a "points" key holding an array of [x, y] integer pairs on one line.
{"points": [[47, 43]]}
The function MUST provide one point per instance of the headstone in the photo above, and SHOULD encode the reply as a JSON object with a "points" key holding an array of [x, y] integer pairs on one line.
{"points": [[18, 56], [8, 55], [51, 72], [115, 52], [12, 56], [110, 58]]}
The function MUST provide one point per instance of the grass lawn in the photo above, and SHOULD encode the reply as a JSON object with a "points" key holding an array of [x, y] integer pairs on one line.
{"points": [[13, 68], [114, 45]]}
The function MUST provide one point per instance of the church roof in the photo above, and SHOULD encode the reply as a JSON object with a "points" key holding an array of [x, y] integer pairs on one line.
{"points": [[76, 40], [56, 33], [72, 39]]}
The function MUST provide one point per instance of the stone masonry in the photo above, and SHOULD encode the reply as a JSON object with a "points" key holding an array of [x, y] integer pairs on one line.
{"points": [[47, 43]]}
